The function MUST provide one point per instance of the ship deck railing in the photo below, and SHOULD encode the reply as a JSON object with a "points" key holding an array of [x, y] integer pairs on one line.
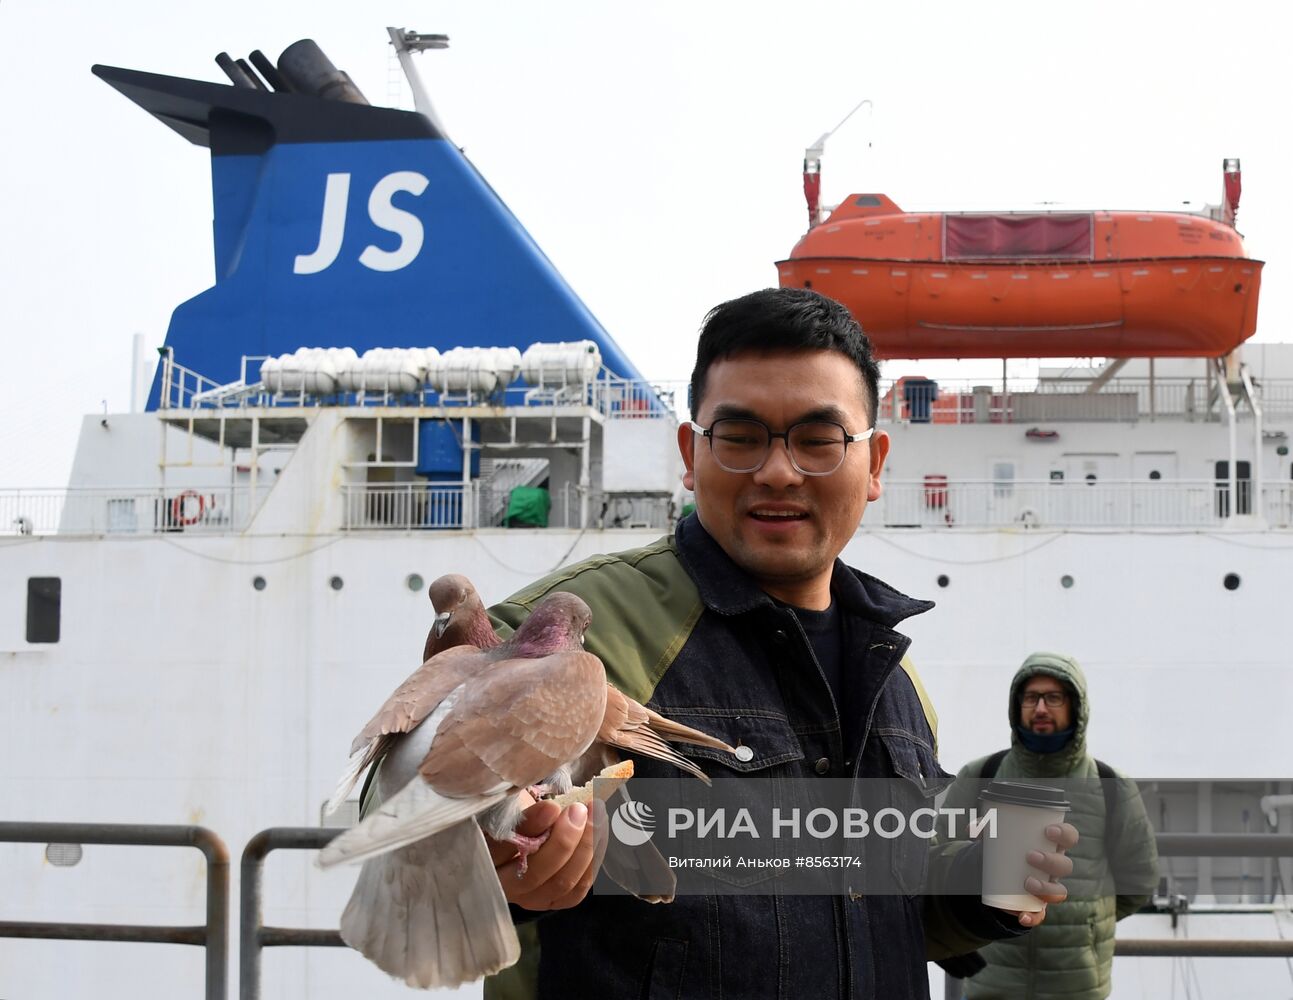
{"points": [[129, 510], [420, 506], [910, 400], [607, 394], [936, 503]]}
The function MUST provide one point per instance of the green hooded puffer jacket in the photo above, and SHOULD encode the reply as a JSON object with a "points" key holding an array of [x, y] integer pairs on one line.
{"points": [[1070, 956]]}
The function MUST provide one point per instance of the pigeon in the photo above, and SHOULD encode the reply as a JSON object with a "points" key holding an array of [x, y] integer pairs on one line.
{"points": [[462, 735], [460, 617], [462, 620]]}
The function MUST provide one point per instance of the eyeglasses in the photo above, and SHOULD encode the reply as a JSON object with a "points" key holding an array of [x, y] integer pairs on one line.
{"points": [[1053, 699], [816, 447]]}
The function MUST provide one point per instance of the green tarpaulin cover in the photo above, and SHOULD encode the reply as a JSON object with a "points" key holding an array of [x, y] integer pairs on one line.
{"points": [[527, 507]]}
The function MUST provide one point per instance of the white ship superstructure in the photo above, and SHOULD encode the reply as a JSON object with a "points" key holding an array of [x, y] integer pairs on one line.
{"points": [[202, 618]]}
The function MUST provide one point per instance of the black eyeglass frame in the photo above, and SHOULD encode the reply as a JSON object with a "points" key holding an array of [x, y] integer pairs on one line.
{"points": [[708, 432], [1059, 698]]}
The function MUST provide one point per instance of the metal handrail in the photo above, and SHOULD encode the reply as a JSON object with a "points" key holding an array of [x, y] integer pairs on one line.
{"points": [[1198, 845], [213, 936], [253, 935]]}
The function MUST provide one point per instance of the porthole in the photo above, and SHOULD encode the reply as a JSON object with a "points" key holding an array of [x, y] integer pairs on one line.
{"points": [[414, 582], [1090, 477], [1155, 474], [259, 582], [336, 583], [1066, 581], [63, 855], [943, 580], [1231, 581]]}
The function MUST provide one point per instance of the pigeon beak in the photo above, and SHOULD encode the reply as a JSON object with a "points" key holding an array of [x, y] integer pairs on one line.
{"points": [[441, 623]]}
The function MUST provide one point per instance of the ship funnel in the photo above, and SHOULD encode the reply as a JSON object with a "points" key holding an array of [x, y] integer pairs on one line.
{"points": [[269, 71], [236, 74], [308, 71], [1233, 187]]}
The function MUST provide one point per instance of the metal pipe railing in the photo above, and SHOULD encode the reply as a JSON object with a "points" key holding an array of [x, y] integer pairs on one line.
{"points": [[213, 935], [1198, 845], [253, 935]]}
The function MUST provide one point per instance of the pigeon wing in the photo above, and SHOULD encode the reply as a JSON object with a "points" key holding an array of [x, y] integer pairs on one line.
{"points": [[418, 696], [519, 722]]}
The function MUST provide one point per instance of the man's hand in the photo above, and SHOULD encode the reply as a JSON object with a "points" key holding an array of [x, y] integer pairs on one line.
{"points": [[1055, 866], [561, 872]]}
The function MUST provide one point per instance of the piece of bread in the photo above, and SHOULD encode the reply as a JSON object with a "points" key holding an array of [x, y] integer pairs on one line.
{"points": [[606, 782]]}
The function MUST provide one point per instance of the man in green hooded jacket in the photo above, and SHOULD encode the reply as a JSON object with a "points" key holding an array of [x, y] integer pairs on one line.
{"points": [[1070, 957]]}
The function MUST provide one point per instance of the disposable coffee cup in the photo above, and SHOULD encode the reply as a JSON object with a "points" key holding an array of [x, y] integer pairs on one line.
{"points": [[1023, 813]]}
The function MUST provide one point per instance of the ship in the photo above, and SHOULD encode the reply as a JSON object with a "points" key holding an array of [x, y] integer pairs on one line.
{"points": [[236, 573]]}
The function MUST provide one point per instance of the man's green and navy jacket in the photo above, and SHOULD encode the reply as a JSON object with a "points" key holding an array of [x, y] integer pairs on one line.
{"points": [[681, 628]]}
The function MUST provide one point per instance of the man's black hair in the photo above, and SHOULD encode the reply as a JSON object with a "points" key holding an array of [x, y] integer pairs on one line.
{"points": [[783, 319]]}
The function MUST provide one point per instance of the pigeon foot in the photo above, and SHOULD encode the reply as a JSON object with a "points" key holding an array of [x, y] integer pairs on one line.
{"points": [[525, 846]]}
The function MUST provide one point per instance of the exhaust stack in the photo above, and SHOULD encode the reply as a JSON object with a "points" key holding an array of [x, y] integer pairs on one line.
{"points": [[308, 71]]}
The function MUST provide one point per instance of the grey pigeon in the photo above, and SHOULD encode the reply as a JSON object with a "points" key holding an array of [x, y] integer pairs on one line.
{"points": [[462, 735]]}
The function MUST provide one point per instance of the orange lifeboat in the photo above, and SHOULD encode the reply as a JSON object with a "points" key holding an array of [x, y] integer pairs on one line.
{"points": [[1037, 284]]}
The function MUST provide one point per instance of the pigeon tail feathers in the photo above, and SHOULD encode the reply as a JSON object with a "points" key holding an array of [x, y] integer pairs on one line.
{"points": [[679, 733], [433, 913]]}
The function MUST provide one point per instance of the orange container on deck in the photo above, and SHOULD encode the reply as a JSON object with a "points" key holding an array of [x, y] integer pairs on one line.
{"points": [[1042, 284]]}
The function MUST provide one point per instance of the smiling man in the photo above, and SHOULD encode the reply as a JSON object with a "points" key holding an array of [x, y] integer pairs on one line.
{"points": [[745, 624]]}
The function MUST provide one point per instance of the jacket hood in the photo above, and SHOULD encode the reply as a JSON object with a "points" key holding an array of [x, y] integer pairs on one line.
{"points": [[1065, 669]]}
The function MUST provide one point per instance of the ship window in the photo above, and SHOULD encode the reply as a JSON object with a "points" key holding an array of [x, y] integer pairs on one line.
{"points": [[1037, 237], [1231, 581], [64, 855], [867, 201], [943, 581], [44, 608], [1155, 474]]}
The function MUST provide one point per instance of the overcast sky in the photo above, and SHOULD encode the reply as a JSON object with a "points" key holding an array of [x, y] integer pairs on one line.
{"points": [[653, 149]]}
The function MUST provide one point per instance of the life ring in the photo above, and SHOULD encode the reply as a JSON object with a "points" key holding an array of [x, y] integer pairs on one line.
{"points": [[178, 515]]}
